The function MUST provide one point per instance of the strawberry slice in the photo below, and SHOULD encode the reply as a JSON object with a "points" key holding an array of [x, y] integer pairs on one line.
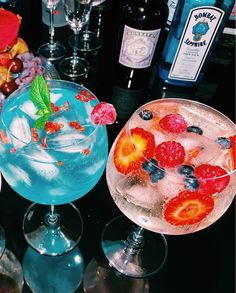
{"points": [[187, 208], [170, 154], [211, 178], [132, 150], [233, 150]]}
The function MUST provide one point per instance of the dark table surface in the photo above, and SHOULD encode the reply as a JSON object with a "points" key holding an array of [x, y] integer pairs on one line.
{"points": [[199, 262]]}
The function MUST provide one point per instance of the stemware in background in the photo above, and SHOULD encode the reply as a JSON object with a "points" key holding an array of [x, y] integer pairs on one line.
{"points": [[52, 50], [171, 170], [11, 275], [77, 14], [52, 168], [90, 40]]}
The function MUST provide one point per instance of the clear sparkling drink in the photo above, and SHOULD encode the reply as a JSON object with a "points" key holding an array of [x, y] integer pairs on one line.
{"points": [[171, 169]]}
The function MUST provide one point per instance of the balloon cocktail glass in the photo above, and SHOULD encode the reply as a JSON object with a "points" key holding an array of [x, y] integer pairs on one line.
{"points": [[171, 170], [52, 153]]}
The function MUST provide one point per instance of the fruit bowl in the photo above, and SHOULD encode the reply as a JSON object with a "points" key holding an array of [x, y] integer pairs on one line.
{"points": [[22, 70]]}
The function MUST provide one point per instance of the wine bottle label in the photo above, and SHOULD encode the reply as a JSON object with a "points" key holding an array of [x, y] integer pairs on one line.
{"points": [[172, 6], [196, 40], [126, 101], [137, 47]]}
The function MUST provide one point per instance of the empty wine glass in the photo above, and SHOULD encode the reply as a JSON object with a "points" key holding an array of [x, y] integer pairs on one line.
{"points": [[52, 50], [77, 14], [89, 40]]}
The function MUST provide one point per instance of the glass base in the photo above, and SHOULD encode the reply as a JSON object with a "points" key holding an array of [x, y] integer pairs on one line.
{"points": [[87, 41], [52, 232], [74, 67], [52, 52], [132, 253], [53, 274], [100, 277]]}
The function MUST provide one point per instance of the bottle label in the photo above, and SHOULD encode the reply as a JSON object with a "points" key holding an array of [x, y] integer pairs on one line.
{"points": [[138, 47], [172, 6], [196, 40], [127, 101]]}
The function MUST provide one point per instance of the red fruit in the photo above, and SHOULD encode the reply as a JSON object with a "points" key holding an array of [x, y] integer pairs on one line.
{"points": [[170, 154], [9, 28], [187, 208], [132, 150], [233, 150], [15, 65], [52, 127], [173, 123], [8, 87], [211, 178]]}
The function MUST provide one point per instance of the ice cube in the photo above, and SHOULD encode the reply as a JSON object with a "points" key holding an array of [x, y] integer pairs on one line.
{"points": [[43, 163], [55, 97], [212, 124], [140, 194], [95, 167], [45, 170], [20, 132], [20, 174], [30, 109], [200, 148]]}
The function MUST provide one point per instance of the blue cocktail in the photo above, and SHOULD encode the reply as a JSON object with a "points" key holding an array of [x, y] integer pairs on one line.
{"points": [[54, 164]]}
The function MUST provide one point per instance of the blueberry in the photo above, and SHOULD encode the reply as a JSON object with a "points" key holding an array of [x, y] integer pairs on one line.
{"points": [[195, 129], [191, 183], [185, 170], [224, 143], [150, 166], [157, 175], [146, 114]]}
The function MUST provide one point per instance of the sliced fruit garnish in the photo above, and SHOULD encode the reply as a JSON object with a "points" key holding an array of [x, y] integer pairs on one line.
{"points": [[187, 208], [173, 123], [170, 154], [233, 150], [211, 178], [132, 150]]}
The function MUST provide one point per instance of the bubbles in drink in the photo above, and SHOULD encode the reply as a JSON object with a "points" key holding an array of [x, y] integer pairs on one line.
{"points": [[172, 167]]}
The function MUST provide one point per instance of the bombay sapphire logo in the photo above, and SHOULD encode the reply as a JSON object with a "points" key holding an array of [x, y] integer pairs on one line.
{"points": [[200, 29]]}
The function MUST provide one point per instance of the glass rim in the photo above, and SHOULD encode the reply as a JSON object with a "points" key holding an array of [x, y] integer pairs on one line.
{"points": [[12, 97], [162, 100]]}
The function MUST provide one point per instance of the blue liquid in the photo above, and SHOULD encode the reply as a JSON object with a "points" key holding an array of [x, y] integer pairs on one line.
{"points": [[174, 36], [46, 274], [61, 173]]}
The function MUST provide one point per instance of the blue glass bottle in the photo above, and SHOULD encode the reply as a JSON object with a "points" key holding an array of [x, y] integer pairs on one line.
{"points": [[196, 27]]}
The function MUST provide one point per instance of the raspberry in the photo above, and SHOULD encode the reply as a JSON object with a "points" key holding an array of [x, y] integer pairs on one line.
{"points": [[211, 178], [103, 113], [170, 154], [173, 123]]}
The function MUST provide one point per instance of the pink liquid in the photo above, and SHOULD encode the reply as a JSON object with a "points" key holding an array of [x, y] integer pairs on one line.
{"points": [[148, 204]]}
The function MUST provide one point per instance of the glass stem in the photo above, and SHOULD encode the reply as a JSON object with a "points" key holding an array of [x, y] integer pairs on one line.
{"points": [[75, 47], [51, 26], [52, 217], [135, 241]]}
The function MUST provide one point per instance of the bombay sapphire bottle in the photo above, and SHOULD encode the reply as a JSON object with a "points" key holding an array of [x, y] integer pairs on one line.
{"points": [[195, 29]]}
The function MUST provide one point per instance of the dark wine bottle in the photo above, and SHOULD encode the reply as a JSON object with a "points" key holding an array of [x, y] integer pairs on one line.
{"points": [[140, 33]]}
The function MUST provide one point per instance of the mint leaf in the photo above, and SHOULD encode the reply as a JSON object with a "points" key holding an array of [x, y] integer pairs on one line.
{"points": [[39, 93], [40, 96], [40, 122]]}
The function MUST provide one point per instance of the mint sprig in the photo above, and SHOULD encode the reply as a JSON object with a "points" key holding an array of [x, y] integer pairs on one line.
{"points": [[40, 96]]}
